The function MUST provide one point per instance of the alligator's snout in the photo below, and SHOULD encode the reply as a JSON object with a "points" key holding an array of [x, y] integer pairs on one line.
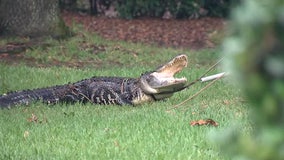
{"points": [[162, 80]]}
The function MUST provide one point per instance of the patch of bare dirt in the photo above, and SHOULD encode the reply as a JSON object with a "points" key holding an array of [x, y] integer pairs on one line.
{"points": [[193, 34]]}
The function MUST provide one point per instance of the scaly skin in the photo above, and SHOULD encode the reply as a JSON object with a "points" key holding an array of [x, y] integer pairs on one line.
{"points": [[97, 90], [155, 85]]}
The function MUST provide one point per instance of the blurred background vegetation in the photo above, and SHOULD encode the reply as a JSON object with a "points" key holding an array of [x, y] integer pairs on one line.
{"points": [[255, 51]]}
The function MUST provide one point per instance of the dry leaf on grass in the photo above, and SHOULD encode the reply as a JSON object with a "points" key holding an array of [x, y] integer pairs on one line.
{"points": [[204, 122], [33, 118]]}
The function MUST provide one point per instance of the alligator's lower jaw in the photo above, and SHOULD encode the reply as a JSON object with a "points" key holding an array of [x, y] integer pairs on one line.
{"points": [[166, 85], [170, 81], [172, 87]]}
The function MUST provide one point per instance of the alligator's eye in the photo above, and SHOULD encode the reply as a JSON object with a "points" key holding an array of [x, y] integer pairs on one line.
{"points": [[142, 74], [146, 73], [150, 78]]}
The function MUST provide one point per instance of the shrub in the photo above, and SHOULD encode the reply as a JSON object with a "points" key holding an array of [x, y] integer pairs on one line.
{"points": [[255, 50], [154, 8], [179, 8]]}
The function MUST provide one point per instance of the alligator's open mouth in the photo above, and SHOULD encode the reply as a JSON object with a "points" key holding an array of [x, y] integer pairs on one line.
{"points": [[162, 80]]}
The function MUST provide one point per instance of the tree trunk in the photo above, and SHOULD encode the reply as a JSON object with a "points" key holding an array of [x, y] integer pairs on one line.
{"points": [[33, 18]]}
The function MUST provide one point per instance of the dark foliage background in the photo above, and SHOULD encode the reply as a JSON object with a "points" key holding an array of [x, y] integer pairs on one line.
{"points": [[130, 9]]}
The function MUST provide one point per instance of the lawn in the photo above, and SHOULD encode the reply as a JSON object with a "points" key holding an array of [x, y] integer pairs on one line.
{"points": [[87, 131]]}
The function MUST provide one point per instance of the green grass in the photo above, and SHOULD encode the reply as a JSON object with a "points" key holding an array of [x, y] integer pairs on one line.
{"points": [[90, 131]]}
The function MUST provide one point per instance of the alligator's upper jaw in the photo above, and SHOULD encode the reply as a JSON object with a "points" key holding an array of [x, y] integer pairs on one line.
{"points": [[162, 80]]}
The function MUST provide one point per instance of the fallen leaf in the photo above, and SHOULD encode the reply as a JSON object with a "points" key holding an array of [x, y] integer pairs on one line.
{"points": [[33, 118], [226, 102], [204, 122]]}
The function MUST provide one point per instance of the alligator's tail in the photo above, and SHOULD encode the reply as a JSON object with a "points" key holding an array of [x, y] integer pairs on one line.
{"points": [[48, 95]]}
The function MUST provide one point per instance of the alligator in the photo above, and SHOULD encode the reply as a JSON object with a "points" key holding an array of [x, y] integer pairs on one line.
{"points": [[150, 86]]}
